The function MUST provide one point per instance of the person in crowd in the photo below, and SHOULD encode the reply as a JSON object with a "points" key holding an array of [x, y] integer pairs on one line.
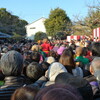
{"points": [[67, 61], [40, 66], [79, 56], [46, 47], [1, 78], [88, 45], [45, 65], [34, 71], [94, 79], [42, 53], [81, 84], [27, 57], [82, 43], [77, 42], [54, 69], [61, 49], [25, 93], [37, 48], [58, 92], [71, 50], [87, 54], [53, 54], [35, 56], [72, 44], [11, 66], [50, 75], [55, 48], [94, 52], [5, 49], [95, 49]]}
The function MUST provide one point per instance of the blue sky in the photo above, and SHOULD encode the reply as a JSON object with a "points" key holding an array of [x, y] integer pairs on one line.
{"points": [[31, 10]]}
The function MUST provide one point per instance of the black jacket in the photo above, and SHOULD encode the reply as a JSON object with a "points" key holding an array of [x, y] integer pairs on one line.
{"points": [[95, 89]]}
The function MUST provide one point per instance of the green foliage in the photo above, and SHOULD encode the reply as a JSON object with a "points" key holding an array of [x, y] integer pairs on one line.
{"points": [[57, 21], [40, 36], [10, 23], [17, 36]]}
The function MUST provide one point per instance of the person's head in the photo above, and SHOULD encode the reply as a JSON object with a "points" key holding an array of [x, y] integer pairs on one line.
{"points": [[73, 46], [54, 69], [95, 67], [68, 51], [35, 48], [45, 40], [5, 50], [58, 92], [39, 42], [87, 43], [67, 60], [52, 54], [34, 71], [35, 56], [79, 51], [24, 93], [12, 63], [45, 65], [85, 50], [96, 49], [27, 55], [81, 84]]}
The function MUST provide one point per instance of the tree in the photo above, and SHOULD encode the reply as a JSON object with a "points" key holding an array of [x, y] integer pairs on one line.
{"points": [[57, 21], [92, 20], [40, 36], [11, 24], [17, 37]]}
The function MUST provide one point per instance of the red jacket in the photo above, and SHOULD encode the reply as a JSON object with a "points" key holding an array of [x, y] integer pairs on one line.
{"points": [[46, 47]]}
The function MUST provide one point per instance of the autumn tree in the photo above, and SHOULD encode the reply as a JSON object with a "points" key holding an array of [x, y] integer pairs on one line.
{"points": [[86, 25]]}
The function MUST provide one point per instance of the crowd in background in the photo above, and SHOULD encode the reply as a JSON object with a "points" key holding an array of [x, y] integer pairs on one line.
{"points": [[50, 70]]}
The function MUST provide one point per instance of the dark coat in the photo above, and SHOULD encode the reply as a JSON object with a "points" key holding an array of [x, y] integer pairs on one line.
{"points": [[10, 85], [95, 88]]}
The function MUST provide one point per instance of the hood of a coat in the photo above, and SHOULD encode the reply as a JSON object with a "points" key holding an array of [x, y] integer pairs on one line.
{"points": [[54, 69]]}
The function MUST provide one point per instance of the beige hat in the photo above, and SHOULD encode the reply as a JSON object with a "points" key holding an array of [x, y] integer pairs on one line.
{"points": [[50, 60]]}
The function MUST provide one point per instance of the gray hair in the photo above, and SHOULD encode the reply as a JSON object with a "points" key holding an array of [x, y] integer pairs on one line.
{"points": [[96, 64], [96, 67], [11, 63]]}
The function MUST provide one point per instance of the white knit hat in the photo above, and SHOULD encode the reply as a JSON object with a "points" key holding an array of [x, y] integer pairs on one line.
{"points": [[50, 60]]}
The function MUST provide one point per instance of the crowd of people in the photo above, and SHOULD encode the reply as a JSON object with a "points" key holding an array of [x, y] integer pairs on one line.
{"points": [[50, 70]]}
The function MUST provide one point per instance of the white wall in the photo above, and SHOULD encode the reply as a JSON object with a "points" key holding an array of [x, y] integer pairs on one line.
{"points": [[34, 27]]}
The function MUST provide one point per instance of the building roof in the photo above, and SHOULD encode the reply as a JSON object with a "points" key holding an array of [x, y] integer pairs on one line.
{"points": [[4, 35], [35, 21]]}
